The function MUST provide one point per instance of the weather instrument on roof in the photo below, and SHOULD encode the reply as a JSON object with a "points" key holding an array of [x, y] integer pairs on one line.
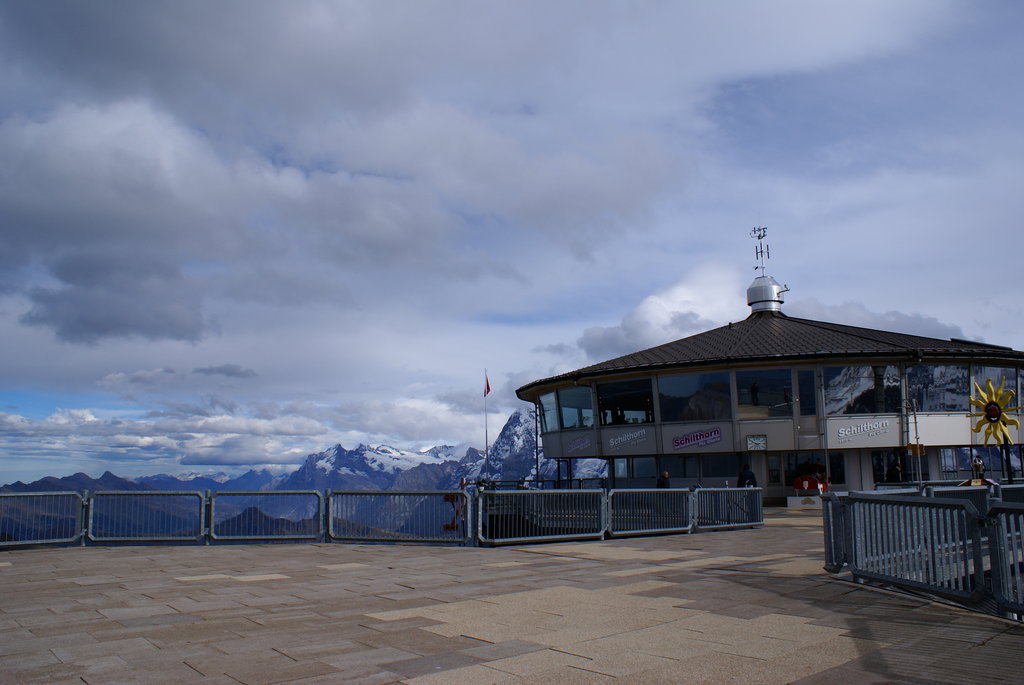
{"points": [[765, 293]]}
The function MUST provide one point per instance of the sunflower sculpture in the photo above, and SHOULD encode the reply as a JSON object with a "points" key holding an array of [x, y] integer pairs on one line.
{"points": [[994, 412]]}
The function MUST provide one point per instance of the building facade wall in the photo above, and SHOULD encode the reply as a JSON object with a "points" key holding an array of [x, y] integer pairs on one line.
{"points": [[852, 418]]}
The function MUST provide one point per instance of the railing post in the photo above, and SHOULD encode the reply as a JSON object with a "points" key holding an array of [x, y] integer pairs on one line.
{"points": [[84, 527], [207, 517], [326, 517]]}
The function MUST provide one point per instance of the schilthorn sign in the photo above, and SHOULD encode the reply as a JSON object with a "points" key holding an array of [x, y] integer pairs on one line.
{"points": [[578, 444], [631, 438], [867, 429], [696, 438]]}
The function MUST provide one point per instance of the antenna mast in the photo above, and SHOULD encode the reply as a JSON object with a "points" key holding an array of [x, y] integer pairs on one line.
{"points": [[761, 252]]}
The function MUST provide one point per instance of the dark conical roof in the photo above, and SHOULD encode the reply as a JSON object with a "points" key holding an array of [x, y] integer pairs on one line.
{"points": [[773, 336]]}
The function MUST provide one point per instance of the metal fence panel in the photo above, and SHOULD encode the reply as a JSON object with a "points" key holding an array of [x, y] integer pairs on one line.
{"points": [[921, 543], [640, 511], [834, 526], [276, 515], [727, 508], [1006, 544], [1012, 493], [412, 516], [527, 516], [978, 495], [40, 518], [130, 516]]}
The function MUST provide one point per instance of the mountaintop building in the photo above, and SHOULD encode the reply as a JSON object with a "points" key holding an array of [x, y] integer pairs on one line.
{"points": [[792, 397]]}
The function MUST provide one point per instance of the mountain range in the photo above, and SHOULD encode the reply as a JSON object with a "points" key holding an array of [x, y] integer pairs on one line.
{"points": [[513, 456]]}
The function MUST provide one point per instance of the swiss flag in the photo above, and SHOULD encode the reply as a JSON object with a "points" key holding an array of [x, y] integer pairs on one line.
{"points": [[487, 386]]}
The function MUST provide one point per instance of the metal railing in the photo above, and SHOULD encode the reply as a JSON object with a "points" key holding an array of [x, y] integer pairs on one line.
{"points": [[921, 543], [439, 517], [642, 512], [40, 518], [945, 546], [509, 516], [257, 515], [834, 526], [446, 517], [727, 508], [1006, 542], [128, 516]]}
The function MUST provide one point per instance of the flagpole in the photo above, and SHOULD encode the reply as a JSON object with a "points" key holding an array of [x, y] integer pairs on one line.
{"points": [[487, 389]]}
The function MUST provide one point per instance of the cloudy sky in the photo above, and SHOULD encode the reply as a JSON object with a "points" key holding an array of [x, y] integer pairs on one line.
{"points": [[236, 233]]}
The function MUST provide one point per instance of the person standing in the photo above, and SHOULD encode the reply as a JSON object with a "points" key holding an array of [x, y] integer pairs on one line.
{"points": [[663, 481], [746, 479]]}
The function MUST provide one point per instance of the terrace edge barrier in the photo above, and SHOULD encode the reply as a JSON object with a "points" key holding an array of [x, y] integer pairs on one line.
{"points": [[514, 516], [265, 519], [1006, 545], [651, 507], [920, 543], [720, 508], [472, 515], [194, 517], [11, 526], [454, 516]]}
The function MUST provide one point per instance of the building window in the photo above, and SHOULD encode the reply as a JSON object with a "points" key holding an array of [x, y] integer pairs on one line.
{"points": [[576, 407], [938, 387], [808, 392], [685, 466], [862, 390], [764, 394], [774, 464], [625, 402], [799, 464], [837, 468], [720, 465], [695, 397], [644, 467], [996, 373], [992, 457], [548, 412], [947, 461], [622, 468]]}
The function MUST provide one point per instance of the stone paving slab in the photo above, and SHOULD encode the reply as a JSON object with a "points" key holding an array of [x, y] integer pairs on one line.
{"points": [[750, 606]]}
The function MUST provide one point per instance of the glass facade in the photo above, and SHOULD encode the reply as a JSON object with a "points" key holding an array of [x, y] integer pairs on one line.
{"points": [[808, 392], [625, 402], [720, 466], [996, 373], [862, 390], [576, 407], [938, 387], [548, 412], [764, 393], [681, 467], [695, 397], [862, 449], [810, 463]]}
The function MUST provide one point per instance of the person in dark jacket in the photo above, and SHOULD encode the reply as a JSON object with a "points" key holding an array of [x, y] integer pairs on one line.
{"points": [[663, 481], [746, 479]]}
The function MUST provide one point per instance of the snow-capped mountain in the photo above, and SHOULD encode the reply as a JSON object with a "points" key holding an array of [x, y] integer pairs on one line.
{"points": [[513, 456], [362, 468]]}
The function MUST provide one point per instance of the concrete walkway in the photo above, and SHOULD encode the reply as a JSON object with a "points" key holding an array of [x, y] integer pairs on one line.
{"points": [[749, 606]]}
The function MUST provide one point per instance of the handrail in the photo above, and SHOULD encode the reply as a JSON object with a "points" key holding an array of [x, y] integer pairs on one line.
{"points": [[446, 517]]}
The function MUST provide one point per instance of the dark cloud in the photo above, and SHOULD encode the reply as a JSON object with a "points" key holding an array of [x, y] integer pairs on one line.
{"points": [[102, 299], [229, 370]]}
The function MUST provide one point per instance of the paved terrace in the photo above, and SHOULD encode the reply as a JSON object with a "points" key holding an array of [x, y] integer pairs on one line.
{"points": [[748, 606]]}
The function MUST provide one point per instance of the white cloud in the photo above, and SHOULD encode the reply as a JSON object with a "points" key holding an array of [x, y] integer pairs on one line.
{"points": [[327, 231]]}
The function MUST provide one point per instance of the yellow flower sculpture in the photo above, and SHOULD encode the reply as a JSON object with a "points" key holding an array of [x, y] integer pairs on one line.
{"points": [[994, 412]]}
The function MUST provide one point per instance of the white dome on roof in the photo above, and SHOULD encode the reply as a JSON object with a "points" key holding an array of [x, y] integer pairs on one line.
{"points": [[765, 295]]}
